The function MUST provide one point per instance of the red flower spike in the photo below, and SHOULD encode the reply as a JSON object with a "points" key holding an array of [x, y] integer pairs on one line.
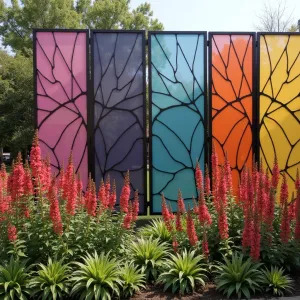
{"points": [[190, 228], [113, 196], [284, 191], [68, 182], [18, 177], [107, 190], [243, 187], [203, 213], [71, 197], [275, 174], [199, 177], [46, 178], [54, 209], [28, 186], [35, 160], [128, 217], [125, 194], [102, 195], [92, 199], [180, 203], [178, 222], [12, 233], [165, 213]]}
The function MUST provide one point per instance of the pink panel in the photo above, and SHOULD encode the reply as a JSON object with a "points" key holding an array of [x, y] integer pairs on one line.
{"points": [[61, 97]]}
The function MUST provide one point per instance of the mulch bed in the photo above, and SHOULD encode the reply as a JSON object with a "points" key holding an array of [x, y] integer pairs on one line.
{"points": [[208, 293]]}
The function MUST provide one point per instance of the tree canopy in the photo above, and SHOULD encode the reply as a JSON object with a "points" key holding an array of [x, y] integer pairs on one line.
{"points": [[17, 21]]}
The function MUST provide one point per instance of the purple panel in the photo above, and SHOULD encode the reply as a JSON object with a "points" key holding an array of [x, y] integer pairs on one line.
{"points": [[118, 78], [61, 97]]}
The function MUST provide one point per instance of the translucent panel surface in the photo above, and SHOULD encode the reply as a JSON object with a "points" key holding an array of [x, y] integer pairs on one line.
{"points": [[232, 99], [61, 76], [118, 72], [279, 102], [178, 83]]}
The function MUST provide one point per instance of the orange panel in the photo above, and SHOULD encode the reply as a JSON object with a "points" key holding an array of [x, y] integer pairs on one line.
{"points": [[232, 99]]}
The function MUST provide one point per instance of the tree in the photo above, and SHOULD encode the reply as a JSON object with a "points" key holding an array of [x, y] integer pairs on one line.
{"points": [[16, 24], [19, 19], [275, 18], [16, 101]]}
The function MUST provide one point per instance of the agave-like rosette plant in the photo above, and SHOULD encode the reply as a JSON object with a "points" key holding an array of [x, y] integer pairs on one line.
{"points": [[149, 255], [183, 272], [97, 277], [239, 277], [276, 281], [51, 280], [133, 279], [14, 279]]}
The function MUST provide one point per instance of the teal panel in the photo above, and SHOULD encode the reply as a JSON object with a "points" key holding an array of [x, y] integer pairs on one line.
{"points": [[177, 131]]}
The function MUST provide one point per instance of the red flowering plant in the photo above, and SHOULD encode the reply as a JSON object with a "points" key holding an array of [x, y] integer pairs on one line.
{"points": [[260, 220], [46, 215]]}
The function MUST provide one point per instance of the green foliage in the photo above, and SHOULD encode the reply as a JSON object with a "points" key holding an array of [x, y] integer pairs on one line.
{"points": [[281, 255], [275, 281], [51, 281], [16, 101], [14, 280], [132, 279], [97, 277], [183, 272], [158, 230], [238, 277], [17, 21], [149, 256]]}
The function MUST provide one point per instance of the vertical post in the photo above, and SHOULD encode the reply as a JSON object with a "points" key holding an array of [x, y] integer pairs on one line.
{"points": [[299, 25]]}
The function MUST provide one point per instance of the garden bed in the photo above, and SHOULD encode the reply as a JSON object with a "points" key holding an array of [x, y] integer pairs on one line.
{"points": [[207, 293], [57, 240]]}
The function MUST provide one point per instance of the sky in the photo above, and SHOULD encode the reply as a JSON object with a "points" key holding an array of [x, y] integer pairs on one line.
{"points": [[212, 15]]}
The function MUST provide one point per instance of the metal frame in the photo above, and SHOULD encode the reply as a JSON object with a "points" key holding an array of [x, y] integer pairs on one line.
{"points": [[206, 139], [37, 30], [91, 101], [259, 34], [254, 89]]}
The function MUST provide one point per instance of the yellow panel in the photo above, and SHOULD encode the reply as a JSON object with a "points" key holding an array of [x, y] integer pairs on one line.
{"points": [[280, 103], [288, 122]]}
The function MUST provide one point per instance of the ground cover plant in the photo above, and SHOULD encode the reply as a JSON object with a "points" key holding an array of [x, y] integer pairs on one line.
{"points": [[60, 241]]}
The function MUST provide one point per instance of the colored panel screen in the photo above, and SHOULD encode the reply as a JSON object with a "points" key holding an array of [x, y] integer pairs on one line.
{"points": [[118, 73], [232, 99], [61, 97], [178, 63], [279, 102]]}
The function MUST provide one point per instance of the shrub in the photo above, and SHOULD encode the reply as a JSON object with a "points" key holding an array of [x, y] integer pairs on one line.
{"points": [[158, 230], [51, 281], [14, 280], [149, 255], [275, 281], [132, 279], [183, 272], [96, 277], [238, 276]]}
